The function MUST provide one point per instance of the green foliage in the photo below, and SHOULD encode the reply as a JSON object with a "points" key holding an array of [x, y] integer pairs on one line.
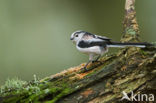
{"points": [[12, 84], [36, 91], [15, 86]]}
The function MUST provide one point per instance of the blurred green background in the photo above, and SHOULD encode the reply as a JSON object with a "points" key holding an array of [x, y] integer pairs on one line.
{"points": [[34, 34]]}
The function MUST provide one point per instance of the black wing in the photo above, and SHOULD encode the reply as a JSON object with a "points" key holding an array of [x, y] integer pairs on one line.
{"points": [[87, 44]]}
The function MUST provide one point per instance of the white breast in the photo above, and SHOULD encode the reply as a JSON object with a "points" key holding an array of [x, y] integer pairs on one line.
{"points": [[94, 50]]}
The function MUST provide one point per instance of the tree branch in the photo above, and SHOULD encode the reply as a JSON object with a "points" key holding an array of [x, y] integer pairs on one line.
{"points": [[131, 30]]}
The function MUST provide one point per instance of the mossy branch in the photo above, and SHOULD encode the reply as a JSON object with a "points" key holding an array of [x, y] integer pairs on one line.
{"points": [[131, 69], [131, 30]]}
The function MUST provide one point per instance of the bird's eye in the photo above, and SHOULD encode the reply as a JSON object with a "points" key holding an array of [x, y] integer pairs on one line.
{"points": [[76, 35]]}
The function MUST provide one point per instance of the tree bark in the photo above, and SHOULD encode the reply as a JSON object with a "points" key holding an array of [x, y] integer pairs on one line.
{"points": [[131, 30], [130, 69]]}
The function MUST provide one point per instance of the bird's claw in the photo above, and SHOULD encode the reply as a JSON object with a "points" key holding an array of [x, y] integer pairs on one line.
{"points": [[84, 69], [95, 61]]}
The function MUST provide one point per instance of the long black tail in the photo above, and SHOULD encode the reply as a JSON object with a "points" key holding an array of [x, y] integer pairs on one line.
{"points": [[121, 45]]}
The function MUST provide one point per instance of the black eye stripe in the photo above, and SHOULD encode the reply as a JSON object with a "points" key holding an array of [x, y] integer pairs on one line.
{"points": [[86, 33], [76, 34]]}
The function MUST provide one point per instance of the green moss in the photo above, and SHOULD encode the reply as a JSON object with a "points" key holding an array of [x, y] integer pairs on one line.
{"points": [[130, 31], [154, 43], [143, 52], [51, 92], [11, 85], [54, 94], [11, 100], [60, 95], [89, 74], [93, 72]]}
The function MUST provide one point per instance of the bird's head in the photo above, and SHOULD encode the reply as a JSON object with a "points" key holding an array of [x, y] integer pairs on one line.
{"points": [[77, 35]]}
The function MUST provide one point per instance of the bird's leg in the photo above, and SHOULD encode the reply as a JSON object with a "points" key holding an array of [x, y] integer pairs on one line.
{"points": [[85, 67], [96, 60], [91, 56]]}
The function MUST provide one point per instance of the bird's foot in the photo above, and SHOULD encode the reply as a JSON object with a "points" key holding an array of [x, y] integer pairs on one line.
{"points": [[96, 61], [84, 69]]}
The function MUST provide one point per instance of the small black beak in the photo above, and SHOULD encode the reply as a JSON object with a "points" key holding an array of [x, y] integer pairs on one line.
{"points": [[71, 38]]}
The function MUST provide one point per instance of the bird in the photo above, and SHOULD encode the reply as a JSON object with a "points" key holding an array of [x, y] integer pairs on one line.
{"points": [[96, 46]]}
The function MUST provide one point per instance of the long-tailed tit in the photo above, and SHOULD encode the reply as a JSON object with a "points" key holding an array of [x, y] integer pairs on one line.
{"points": [[95, 45]]}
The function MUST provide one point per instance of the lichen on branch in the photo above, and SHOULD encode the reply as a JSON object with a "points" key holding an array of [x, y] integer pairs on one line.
{"points": [[130, 25]]}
